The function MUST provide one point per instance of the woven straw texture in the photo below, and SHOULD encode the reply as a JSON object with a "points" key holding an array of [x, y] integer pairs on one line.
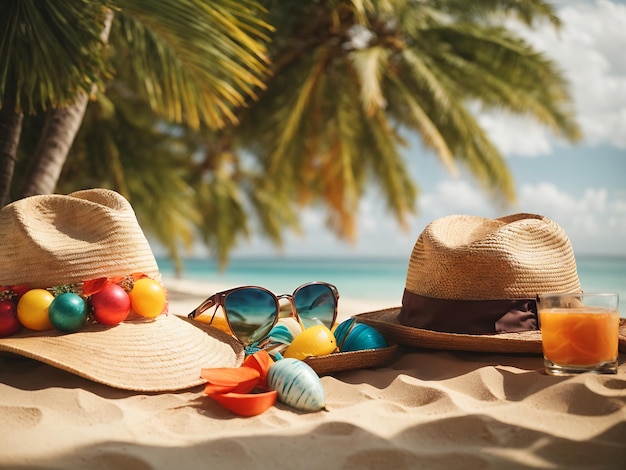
{"points": [[475, 258], [165, 354], [363, 359], [55, 239], [52, 240]]}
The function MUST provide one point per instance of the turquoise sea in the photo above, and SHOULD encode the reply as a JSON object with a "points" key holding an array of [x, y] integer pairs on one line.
{"points": [[364, 278]]}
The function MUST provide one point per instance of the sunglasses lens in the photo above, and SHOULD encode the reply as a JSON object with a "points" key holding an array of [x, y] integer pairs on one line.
{"points": [[315, 303], [251, 313]]}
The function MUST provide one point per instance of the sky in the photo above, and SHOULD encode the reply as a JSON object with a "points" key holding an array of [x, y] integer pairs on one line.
{"points": [[582, 187]]}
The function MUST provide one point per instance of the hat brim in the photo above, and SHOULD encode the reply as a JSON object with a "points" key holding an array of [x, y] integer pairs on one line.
{"points": [[526, 342], [386, 321], [350, 360], [165, 354]]}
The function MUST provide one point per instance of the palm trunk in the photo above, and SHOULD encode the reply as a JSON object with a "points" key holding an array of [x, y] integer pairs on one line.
{"points": [[57, 139], [10, 130], [51, 153]]}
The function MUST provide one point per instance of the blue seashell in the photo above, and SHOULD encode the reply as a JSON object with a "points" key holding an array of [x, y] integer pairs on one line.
{"points": [[363, 336], [342, 330], [296, 384]]}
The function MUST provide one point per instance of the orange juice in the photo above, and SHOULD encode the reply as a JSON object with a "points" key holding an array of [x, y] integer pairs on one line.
{"points": [[579, 336]]}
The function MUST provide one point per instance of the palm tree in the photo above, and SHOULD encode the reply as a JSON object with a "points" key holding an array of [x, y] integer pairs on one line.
{"points": [[68, 62], [194, 61], [348, 79]]}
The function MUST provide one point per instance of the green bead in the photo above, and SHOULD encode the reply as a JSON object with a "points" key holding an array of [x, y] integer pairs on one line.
{"points": [[68, 312]]}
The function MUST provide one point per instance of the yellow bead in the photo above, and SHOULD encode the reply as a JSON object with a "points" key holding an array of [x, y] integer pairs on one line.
{"points": [[147, 298], [32, 309]]}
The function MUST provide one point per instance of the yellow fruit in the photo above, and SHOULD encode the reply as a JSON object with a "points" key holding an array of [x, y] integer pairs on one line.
{"points": [[32, 309], [147, 297], [316, 340]]}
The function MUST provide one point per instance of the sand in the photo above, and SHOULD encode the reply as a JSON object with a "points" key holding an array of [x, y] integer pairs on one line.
{"points": [[426, 409]]}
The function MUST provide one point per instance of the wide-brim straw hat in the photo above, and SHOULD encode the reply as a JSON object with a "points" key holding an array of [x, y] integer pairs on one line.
{"points": [[472, 284], [54, 240]]}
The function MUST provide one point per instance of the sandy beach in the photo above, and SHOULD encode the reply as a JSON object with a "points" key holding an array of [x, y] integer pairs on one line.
{"points": [[426, 409]]}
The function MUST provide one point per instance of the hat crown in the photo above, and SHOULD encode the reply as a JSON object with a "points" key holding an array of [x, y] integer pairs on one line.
{"points": [[473, 258], [56, 239]]}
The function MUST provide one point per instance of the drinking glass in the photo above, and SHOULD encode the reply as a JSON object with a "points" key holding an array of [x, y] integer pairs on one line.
{"points": [[579, 332]]}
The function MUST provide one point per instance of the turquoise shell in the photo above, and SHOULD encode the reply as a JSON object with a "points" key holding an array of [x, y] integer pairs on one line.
{"points": [[342, 330], [358, 336]]}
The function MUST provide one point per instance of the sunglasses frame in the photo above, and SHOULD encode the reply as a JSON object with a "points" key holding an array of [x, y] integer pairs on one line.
{"points": [[219, 300]]}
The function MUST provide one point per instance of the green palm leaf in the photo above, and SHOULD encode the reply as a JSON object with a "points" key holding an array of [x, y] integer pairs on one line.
{"points": [[195, 62], [344, 85], [49, 51]]}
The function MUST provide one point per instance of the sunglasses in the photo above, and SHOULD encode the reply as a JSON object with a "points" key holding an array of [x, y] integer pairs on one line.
{"points": [[252, 311]]}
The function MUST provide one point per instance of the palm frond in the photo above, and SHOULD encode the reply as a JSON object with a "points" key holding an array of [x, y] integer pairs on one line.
{"points": [[49, 51], [381, 149], [196, 62], [490, 65], [419, 119], [369, 64], [527, 11]]}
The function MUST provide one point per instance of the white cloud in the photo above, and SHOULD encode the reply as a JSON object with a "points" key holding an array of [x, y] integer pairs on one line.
{"points": [[592, 54], [590, 51], [517, 135], [595, 222], [454, 197]]}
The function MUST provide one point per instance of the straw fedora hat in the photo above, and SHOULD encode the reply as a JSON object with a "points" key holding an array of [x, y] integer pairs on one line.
{"points": [[472, 283], [67, 240]]}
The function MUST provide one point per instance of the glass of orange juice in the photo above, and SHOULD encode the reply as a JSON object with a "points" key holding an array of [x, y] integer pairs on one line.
{"points": [[579, 332]]}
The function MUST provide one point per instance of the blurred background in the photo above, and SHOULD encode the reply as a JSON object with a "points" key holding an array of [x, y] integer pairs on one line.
{"points": [[276, 142]]}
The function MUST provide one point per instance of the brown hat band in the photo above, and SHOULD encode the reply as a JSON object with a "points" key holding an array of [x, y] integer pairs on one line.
{"points": [[474, 317]]}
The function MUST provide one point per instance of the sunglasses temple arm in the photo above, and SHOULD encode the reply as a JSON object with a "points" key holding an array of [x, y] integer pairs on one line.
{"points": [[203, 307]]}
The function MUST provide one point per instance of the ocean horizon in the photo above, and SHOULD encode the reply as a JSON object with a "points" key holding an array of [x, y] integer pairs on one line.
{"points": [[376, 279]]}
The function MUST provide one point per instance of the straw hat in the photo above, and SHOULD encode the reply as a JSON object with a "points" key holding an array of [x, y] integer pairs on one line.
{"points": [[54, 240], [472, 283]]}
